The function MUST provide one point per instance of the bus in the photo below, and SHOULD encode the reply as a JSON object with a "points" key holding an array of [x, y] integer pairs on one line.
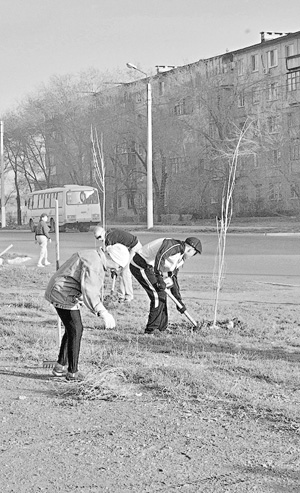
{"points": [[78, 207]]}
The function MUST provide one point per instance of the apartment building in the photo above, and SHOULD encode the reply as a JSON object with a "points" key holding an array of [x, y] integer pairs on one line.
{"points": [[197, 111]]}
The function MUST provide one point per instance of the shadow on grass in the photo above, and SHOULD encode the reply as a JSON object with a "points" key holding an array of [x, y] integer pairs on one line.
{"points": [[180, 344], [22, 374], [276, 473]]}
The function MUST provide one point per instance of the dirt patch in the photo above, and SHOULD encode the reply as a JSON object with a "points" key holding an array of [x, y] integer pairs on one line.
{"points": [[132, 445]]}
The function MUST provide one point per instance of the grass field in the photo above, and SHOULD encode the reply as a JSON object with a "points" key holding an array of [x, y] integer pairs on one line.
{"points": [[246, 371]]}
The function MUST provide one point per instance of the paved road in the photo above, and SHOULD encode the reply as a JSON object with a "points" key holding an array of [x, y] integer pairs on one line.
{"points": [[275, 257]]}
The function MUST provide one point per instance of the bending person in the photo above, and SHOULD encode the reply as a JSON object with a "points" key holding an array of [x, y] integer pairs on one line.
{"points": [[111, 237], [79, 280], [155, 267]]}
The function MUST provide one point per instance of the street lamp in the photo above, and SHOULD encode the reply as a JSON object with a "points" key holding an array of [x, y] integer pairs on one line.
{"points": [[3, 218], [149, 149]]}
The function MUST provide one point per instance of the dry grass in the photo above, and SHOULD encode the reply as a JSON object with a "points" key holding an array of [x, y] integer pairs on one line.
{"points": [[250, 368]]}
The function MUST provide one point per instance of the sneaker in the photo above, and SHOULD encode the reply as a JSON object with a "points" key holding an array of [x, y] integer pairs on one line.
{"points": [[40, 265], [59, 370], [74, 377], [47, 263]]}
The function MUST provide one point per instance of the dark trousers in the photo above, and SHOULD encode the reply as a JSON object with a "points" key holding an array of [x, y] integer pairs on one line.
{"points": [[158, 314], [71, 340]]}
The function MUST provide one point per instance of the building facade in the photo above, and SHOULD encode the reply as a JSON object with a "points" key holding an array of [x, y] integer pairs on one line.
{"points": [[198, 109]]}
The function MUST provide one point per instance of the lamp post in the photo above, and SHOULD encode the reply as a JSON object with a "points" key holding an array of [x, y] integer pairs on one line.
{"points": [[3, 218], [149, 149]]}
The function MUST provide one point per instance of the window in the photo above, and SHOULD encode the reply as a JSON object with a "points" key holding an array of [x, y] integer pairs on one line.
{"points": [[35, 201], [47, 200], [241, 99], [272, 58], [274, 156], [130, 202], [258, 191], [178, 163], [161, 88], [80, 197], [179, 108], [138, 97], [214, 193], [275, 192], [41, 201], [289, 50], [295, 150], [293, 80], [240, 66], [254, 63], [255, 95], [272, 91], [294, 191], [273, 124]]}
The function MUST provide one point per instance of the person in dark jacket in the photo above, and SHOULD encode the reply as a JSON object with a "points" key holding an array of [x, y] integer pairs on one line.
{"points": [[79, 281], [42, 237], [155, 267], [110, 237]]}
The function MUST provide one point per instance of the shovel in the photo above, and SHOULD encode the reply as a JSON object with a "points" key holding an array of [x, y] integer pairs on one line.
{"points": [[186, 313]]}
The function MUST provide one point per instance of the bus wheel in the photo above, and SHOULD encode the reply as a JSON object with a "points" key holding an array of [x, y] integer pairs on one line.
{"points": [[32, 226], [84, 228], [52, 225]]}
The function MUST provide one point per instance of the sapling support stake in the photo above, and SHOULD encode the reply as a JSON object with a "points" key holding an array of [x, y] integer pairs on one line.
{"points": [[50, 364]]}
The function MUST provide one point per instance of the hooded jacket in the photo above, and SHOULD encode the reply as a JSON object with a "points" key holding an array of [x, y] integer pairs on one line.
{"points": [[79, 279]]}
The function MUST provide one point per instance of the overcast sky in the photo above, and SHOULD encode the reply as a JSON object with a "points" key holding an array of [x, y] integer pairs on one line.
{"points": [[41, 38]]}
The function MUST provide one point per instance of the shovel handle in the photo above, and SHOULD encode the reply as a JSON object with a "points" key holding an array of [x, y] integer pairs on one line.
{"points": [[114, 277], [180, 306], [6, 249]]}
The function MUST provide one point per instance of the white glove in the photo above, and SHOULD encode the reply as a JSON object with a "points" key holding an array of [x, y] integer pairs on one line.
{"points": [[168, 282], [109, 320]]}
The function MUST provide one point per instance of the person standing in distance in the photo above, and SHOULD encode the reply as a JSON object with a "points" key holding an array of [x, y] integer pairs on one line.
{"points": [[155, 267], [79, 281], [110, 237], [42, 237]]}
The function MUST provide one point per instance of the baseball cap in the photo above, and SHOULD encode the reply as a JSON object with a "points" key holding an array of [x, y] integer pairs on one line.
{"points": [[195, 243]]}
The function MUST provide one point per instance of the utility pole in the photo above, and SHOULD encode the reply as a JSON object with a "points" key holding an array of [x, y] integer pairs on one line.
{"points": [[3, 218], [149, 149]]}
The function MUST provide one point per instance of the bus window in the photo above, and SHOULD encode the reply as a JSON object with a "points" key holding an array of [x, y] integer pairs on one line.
{"points": [[47, 201], [35, 201], [78, 197], [41, 201], [52, 199]]}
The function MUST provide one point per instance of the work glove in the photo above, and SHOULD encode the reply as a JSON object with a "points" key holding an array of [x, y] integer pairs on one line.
{"points": [[160, 284], [168, 282], [113, 274], [181, 309], [109, 320]]}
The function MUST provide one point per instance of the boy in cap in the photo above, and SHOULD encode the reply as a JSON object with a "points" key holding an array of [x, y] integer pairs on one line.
{"points": [[79, 281], [155, 267], [110, 237]]}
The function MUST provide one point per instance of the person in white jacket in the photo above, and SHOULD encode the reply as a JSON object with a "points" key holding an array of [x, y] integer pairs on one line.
{"points": [[79, 281]]}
